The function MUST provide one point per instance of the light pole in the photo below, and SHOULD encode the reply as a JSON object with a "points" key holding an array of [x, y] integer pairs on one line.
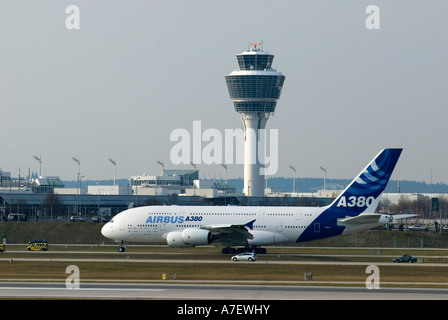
{"points": [[80, 202], [325, 177], [161, 164], [294, 179], [115, 169], [39, 158], [225, 167], [98, 185], [77, 190]]}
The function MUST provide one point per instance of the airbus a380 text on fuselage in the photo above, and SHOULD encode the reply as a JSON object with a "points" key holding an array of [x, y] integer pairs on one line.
{"points": [[251, 227]]}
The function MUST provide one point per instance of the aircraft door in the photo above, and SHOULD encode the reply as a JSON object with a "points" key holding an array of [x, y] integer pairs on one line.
{"points": [[279, 226]]}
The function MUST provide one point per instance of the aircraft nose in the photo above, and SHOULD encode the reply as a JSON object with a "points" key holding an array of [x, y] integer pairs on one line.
{"points": [[106, 230]]}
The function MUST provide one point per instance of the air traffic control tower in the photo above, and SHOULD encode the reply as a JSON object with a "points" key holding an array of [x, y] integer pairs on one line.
{"points": [[254, 89]]}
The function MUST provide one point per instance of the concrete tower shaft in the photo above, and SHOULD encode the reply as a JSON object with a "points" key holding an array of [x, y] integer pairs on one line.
{"points": [[254, 89], [253, 122]]}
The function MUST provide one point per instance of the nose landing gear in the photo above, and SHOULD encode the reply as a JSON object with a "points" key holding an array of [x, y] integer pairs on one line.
{"points": [[121, 247]]}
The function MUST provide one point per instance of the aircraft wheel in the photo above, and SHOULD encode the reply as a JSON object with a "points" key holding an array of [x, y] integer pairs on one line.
{"points": [[228, 251]]}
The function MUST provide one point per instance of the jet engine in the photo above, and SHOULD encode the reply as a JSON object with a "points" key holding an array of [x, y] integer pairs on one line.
{"points": [[189, 237], [266, 238], [174, 240], [194, 237]]}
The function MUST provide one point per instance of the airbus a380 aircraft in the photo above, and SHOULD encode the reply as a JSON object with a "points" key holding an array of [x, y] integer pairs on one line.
{"points": [[252, 227]]}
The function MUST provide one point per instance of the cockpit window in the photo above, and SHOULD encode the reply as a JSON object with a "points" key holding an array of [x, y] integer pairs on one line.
{"points": [[111, 221]]}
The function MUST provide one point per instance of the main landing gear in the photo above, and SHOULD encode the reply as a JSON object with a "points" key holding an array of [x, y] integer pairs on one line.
{"points": [[230, 250]]}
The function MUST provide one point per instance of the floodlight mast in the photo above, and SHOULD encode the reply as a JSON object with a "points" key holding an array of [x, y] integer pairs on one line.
{"points": [[79, 185], [39, 158], [115, 169], [161, 164], [294, 180], [325, 177], [225, 167]]}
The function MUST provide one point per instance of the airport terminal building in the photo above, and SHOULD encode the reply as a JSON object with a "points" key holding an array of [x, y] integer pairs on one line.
{"points": [[47, 199]]}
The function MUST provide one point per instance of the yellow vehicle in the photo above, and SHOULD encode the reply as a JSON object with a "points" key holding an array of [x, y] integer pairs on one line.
{"points": [[37, 246], [2, 247]]}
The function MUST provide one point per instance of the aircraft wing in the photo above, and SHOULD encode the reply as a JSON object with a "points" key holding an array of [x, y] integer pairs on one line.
{"points": [[231, 233]]}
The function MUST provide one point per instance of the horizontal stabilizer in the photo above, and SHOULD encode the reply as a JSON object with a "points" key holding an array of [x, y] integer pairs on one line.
{"points": [[367, 218], [403, 216], [372, 218]]}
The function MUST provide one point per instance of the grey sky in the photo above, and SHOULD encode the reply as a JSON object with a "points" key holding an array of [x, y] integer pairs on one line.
{"points": [[137, 70]]}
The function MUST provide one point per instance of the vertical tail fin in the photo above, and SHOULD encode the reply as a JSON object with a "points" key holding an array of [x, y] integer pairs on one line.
{"points": [[364, 191]]}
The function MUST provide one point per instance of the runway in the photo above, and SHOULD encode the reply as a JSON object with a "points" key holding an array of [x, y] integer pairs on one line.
{"points": [[51, 290], [238, 281], [199, 261]]}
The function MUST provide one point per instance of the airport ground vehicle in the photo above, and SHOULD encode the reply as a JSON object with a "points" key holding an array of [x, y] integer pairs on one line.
{"points": [[249, 256], [405, 258], [39, 240], [17, 217], [417, 228], [37, 246], [77, 219]]}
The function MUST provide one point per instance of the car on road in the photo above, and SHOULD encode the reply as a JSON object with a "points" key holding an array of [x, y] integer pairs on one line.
{"points": [[249, 256], [100, 219], [405, 258], [417, 227], [77, 219]]}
